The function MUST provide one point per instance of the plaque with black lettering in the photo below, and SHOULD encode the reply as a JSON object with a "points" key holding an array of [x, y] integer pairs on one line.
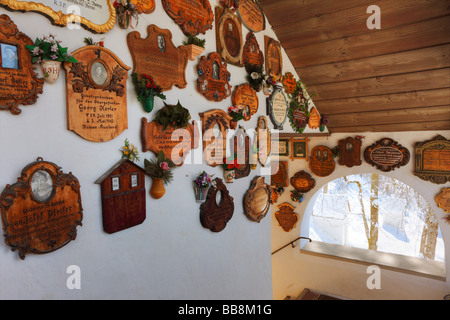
{"points": [[433, 160], [386, 154]]}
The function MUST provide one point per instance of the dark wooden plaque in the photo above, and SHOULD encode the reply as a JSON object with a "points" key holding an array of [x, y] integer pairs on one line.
{"points": [[96, 94], [144, 6], [193, 16], [252, 54], [279, 176], [286, 216], [229, 36], [215, 124], [321, 161], [386, 154], [443, 199], [19, 84], [299, 148], [289, 83], [123, 196], [218, 208], [263, 140], [303, 182], [158, 57], [314, 118], [245, 95], [213, 78], [175, 143], [274, 59], [241, 145], [277, 108], [41, 211], [433, 160], [350, 152], [251, 14], [299, 119], [257, 199]]}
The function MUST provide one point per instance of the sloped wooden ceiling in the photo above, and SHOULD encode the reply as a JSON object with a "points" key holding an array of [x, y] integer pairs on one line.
{"points": [[396, 78]]}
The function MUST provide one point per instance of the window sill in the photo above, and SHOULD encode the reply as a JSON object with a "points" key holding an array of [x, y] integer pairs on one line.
{"points": [[396, 262]]}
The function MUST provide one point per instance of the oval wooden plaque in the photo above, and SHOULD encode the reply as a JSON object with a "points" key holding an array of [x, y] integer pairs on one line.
{"points": [[193, 16], [277, 108], [229, 36], [251, 14], [257, 199], [386, 154], [303, 182]]}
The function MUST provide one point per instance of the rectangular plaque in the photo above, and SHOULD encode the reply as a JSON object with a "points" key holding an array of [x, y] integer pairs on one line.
{"points": [[433, 160]]}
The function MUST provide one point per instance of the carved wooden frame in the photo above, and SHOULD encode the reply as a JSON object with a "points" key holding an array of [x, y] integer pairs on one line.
{"points": [[351, 157], [187, 25], [242, 152], [214, 216], [273, 45], [252, 209], [213, 87], [386, 143], [262, 125], [302, 181], [438, 143], [286, 217], [10, 100], [245, 95], [270, 108], [224, 15], [297, 140]]}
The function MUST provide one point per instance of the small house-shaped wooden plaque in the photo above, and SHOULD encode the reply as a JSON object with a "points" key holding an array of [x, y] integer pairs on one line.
{"points": [[350, 152], [123, 196], [229, 36], [433, 160], [386, 154], [257, 199], [218, 208], [213, 78]]}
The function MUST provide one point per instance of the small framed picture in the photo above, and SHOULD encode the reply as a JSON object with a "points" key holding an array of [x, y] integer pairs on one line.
{"points": [[115, 182], [10, 58], [134, 180], [299, 148], [280, 147], [99, 73]]}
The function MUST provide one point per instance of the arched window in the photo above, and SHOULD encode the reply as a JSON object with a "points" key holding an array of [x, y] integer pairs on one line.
{"points": [[376, 212]]}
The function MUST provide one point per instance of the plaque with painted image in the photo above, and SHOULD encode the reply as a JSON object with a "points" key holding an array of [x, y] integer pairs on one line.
{"points": [[229, 36], [213, 78]]}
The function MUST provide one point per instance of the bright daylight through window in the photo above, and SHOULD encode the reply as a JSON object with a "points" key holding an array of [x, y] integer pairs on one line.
{"points": [[375, 212]]}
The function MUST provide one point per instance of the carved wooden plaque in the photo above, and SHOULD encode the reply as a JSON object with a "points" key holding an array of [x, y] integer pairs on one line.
{"points": [[245, 95], [229, 36], [289, 83], [96, 94], [433, 160], [299, 119], [213, 78], [279, 176], [263, 140], [277, 108], [218, 208], [123, 196], [350, 152], [158, 57], [286, 216], [41, 211], [19, 83], [274, 59], [443, 200], [144, 6], [321, 161], [241, 145], [303, 182], [215, 124], [314, 118], [193, 16], [252, 54], [257, 199], [98, 16], [251, 14], [175, 143], [386, 154]]}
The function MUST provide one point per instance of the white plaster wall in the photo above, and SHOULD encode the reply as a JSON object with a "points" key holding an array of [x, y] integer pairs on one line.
{"points": [[294, 270], [170, 255]]}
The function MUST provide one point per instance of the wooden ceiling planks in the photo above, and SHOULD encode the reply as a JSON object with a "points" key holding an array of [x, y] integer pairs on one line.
{"points": [[393, 79]]}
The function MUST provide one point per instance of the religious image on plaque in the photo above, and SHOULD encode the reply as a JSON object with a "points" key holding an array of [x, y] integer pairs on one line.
{"points": [[96, 94], [299, 148], [229, 36], [244, 95], [251, 14], [274, 59], [321, 161], [19, 84], [193, 16], [257, 199], [302, 181], [263, 140], [286, 217], [41, 211], [386, 155], [213, 80], [215, 124], [98, 16], [252, 56], [123, 196], [277, 108], [350, 152], [157, 56], [218, 208], [433, 160], [443, 199], [241, 147]]}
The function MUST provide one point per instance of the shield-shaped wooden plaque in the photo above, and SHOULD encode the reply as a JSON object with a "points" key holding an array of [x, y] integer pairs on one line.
{"points": [[302, 181], [41, 211], [257, 199], [314, 118], [386, 154], [286, 216]]}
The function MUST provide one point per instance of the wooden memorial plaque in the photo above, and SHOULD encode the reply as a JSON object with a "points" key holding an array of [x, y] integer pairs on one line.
{"points": [[286, 216], [98, 16], [274, 59], [289, 83], [19, 84], [350, 152], [175, 143], [252, 54], [302, 181], [123, 196], [96, 94], [218, 208], [386, 154], [213, 78], [251, 14], [279, 176], [314, 118], [299, 119], [241, 145], [193, 16], [215, 124], [257, 199], [443, 200], [41, 211], [263, 140], [245, 95], [277, 108], [321, 161], [229, 36], [144, 6], [433, 160], [158, 57]]}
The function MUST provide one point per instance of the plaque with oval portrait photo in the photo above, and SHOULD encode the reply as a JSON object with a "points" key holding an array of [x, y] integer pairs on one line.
{"points": [[213, 80], [321, 161], [229, 36]]}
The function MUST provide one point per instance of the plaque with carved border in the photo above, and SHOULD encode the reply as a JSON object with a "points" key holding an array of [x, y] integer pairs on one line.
{"points": [[433, 160], [350, 152], [274, 59], [218, 208], [302, 181], [286, 216], [257, 199], [213, 80], [252, 54], [244, 95], [321, 161], [386, 155], [229, 36]]}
